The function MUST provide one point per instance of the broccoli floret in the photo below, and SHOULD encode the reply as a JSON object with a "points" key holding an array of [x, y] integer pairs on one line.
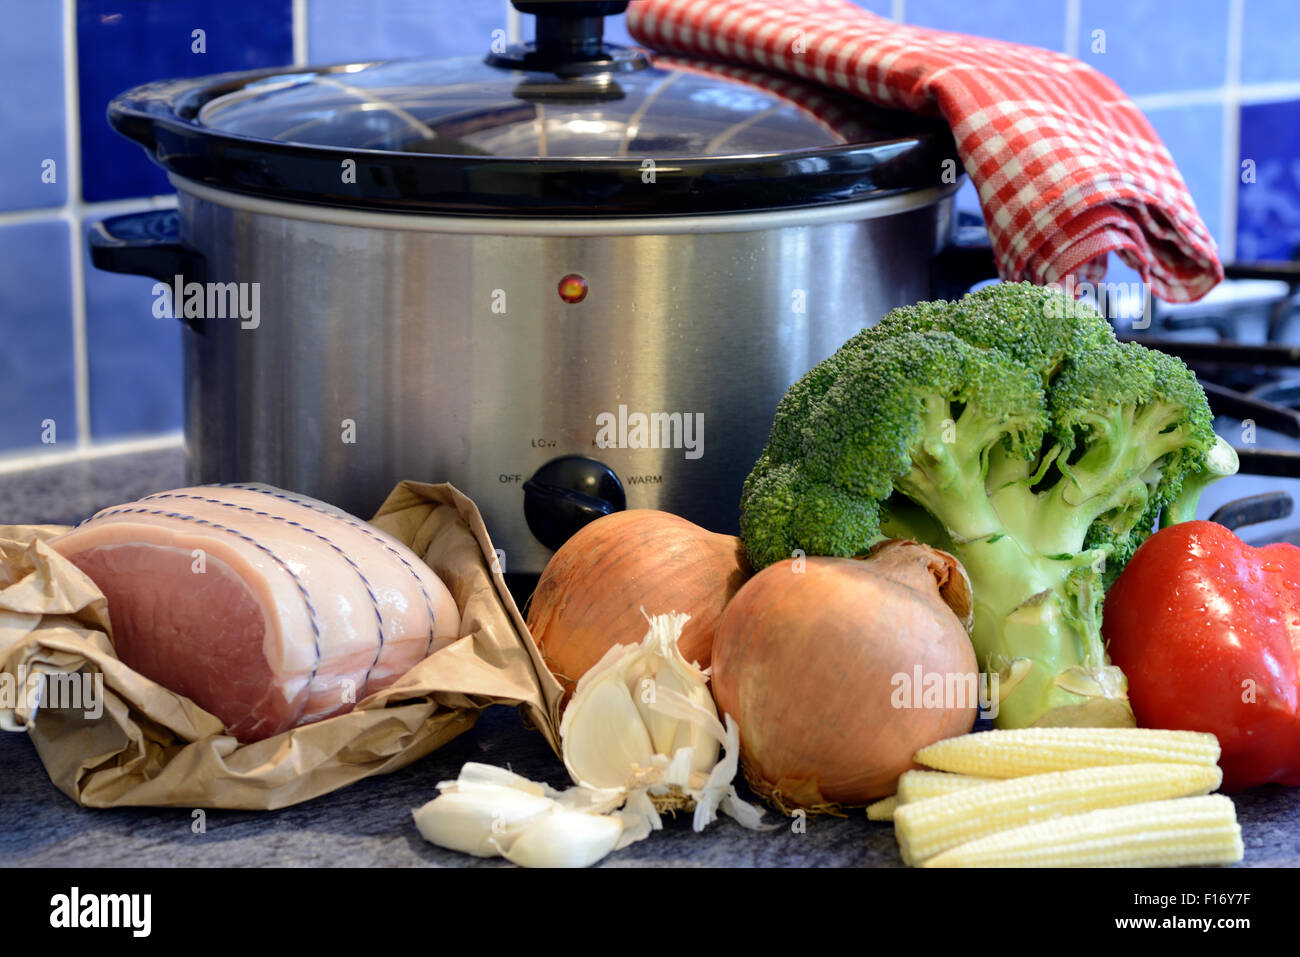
{"points": [[1035, 325], [1012, 429]]}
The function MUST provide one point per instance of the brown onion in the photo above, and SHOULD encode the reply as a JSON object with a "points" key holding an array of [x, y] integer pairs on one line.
{"points": [[806, 662], [592, 591]]}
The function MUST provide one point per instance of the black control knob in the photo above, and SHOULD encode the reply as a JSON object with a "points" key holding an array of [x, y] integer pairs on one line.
{"points": [[568, 493]]}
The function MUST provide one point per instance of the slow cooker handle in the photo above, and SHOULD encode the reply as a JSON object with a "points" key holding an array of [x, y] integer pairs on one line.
{"points": [[148, 244]]}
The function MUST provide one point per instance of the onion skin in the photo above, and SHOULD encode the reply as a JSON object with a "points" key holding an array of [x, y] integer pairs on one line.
{"points": [[591, 593], [804, 661]]}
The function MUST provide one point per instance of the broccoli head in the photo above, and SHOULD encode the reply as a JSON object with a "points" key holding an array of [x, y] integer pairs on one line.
{"points": [[1012, 429]]}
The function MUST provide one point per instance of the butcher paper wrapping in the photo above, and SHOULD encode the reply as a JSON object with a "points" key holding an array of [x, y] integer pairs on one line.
{"points": [[121, 739]]}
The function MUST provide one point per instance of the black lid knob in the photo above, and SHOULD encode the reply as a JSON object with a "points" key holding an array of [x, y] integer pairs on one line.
{"points": [[571, 8], [567, 493], [570, 40]]}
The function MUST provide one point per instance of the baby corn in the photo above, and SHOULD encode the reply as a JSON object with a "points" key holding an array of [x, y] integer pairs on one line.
{"points": [[1182, 832], [919, 785], [929, 827], [882, 810], [1022, 751]]}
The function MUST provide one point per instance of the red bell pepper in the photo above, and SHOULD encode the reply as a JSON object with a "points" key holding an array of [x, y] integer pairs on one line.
{"points": [[1207, 629]]}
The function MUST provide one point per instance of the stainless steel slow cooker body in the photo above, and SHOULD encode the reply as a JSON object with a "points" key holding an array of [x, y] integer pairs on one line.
{"points": [[393, 347], [510, 277]]}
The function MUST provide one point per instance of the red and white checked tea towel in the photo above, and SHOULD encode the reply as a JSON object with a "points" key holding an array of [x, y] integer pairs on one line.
{"points": [[1067, 168]]}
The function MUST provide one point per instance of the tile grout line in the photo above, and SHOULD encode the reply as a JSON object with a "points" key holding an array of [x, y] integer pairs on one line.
{"points": [[71, 215], [23, 461], [1231, 133], [1177, 98], [74, 213], [1243, 92], [1264, 92], [514, 24], [1073, 15], [104, 207], [299, 26]]}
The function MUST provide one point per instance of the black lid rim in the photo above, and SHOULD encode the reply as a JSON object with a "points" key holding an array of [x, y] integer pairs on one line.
{"points": [[162, 117]]}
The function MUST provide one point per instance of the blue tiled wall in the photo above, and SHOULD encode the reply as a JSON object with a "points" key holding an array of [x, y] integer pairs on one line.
{"points": [[342, 30], [37, 366], [34, 147], [1040, 24], [123, 44], [1193, 134], [1269, 41], [1154, 46], [134, 358], [1268, 220], [81, 348]]}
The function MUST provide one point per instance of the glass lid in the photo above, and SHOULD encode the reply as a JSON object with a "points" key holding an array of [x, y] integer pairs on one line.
{"points": [[466, 107], [563, 126]]}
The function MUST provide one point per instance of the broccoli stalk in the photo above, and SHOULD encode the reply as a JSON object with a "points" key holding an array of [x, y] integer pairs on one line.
{"points": [[1014, 431], [1219, 463]]}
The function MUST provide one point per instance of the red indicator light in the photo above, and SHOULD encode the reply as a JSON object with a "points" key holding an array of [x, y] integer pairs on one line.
{"points": [[573, 288]]}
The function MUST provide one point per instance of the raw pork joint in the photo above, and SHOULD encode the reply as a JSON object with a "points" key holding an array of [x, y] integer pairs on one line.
{"points": [[266, 608]]}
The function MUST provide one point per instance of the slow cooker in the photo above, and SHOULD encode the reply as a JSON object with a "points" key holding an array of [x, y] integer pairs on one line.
{"points": [[566, 277]]}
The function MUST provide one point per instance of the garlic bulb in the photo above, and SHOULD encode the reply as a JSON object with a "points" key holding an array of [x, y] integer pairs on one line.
{"points": [[642, 719], [640, 735]]}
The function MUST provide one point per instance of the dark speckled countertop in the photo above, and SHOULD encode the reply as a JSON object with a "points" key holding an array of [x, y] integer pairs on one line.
{"points": [[369, 823]]}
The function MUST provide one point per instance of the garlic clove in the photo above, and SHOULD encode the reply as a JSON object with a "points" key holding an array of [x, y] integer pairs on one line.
{"points": [[590, 800], [473, 773], [479, 819], [604, 740], [658, 664], [614, 663], [564, 839], [663, 729], [699, 718]]}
